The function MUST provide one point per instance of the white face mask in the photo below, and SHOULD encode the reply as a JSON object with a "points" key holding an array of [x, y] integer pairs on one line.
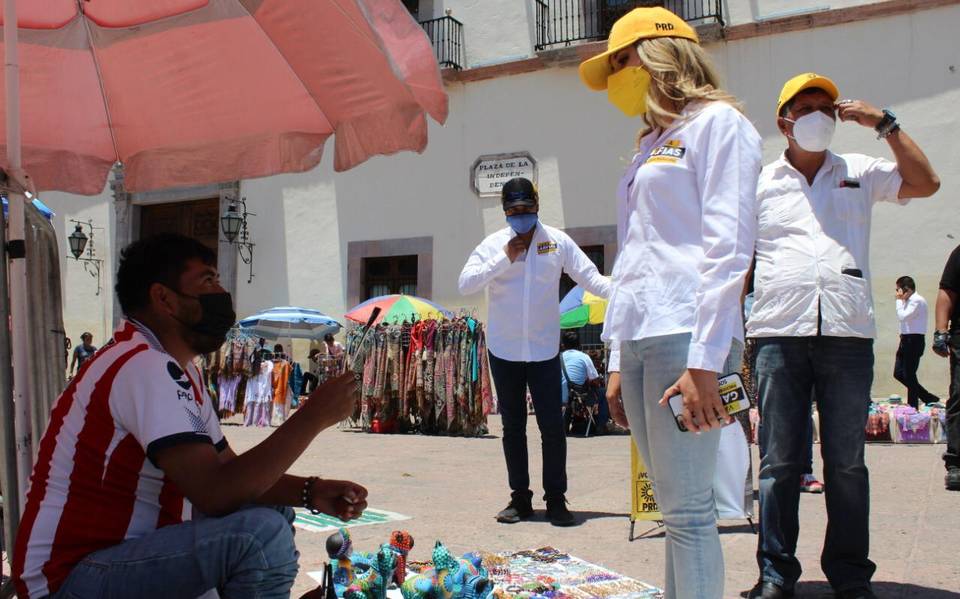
{"points": [[813, 132]]}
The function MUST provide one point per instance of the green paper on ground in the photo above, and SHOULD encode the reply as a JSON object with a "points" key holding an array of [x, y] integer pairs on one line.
{"points": [[325, 523]]}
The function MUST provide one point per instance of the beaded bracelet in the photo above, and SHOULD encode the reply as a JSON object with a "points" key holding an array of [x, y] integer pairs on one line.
{"points": [[306, 494]]}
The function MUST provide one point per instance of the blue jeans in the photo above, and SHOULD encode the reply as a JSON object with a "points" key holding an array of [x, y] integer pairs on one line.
{"points": [[681, 465], [838, 373], [249, 553], [511, 380]]}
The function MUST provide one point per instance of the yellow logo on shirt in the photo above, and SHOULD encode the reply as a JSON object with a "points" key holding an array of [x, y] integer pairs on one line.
{"points": [[546, 247], [670, 152]]}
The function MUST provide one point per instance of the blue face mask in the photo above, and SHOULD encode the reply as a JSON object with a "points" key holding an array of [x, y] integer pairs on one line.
{"points": [[522, 223]]}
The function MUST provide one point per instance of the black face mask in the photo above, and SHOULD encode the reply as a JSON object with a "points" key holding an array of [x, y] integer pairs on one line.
{"points": [[216, 315]]}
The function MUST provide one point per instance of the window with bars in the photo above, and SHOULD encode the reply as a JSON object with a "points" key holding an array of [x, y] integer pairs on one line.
{"points": [[389, 274], [568, 21]]}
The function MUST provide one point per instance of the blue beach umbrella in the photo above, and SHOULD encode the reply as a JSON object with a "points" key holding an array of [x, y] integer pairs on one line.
{"points": [[289, 321]]}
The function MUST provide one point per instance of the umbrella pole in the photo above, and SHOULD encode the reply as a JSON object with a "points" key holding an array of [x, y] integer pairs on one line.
{"points": [[16, 249], [8, 445]]}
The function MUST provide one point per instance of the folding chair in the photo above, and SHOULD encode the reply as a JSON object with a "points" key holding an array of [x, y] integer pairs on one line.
{"points": [[580, 403]]}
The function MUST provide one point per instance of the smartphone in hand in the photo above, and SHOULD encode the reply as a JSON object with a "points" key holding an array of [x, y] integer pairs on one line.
{"points": [[732, 393]]}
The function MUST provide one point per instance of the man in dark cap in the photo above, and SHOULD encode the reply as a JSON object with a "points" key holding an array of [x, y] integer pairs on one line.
{"points": [[520, 266]]}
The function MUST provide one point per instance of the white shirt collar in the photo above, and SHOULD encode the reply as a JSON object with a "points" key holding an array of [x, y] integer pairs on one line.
{"points": [[830, 161], [144, 330]]}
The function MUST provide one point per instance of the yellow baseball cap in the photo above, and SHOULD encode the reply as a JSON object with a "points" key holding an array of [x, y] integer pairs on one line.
{"points": [[806, 81], [638, 24]]}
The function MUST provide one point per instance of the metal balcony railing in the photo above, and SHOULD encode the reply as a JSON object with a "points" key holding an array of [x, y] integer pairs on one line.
{"points": [[446, 35], [568, 21]]}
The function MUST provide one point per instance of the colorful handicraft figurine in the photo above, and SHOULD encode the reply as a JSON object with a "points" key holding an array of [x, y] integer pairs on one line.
{"points": [[372, 574], [449, 578], [401, 542], [340, 548], [364, 575]]}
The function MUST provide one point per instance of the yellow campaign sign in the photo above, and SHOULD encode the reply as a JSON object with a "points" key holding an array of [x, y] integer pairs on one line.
{"points": [[644, 505]]}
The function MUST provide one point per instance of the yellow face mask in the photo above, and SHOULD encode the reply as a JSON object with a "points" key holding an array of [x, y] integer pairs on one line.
{"points": [[627, 90]]}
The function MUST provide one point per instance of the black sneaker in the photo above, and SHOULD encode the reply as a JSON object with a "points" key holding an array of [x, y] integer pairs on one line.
{"points": [[952, 480], [767, 590], [557, 512], [520, 508]]}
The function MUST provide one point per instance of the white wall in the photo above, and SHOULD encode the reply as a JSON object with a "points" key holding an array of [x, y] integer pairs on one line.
{"points": [[83, 310], [909, 63], [498, 31], [737, 12], [581, 144], [494, 31]]}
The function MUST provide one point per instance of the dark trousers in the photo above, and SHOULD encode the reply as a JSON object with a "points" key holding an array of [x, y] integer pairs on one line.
{"points": [[310, 382], [952, 456], [905, 369], [837, 372], [511, 380]]}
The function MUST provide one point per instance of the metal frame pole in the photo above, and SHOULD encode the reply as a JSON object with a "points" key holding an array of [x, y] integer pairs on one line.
{"points": [[8, 444], [18, 262]]}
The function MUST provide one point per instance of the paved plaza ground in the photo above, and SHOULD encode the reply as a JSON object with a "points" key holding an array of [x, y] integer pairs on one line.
{"points": [[452, 487]]}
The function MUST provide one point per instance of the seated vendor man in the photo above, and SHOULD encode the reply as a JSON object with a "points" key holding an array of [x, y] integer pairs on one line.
{"points": [[583, 374], [135, 491]]}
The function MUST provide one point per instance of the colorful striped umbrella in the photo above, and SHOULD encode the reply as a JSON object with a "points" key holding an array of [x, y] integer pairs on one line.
{"points": [[580, 307], [397, 308]]}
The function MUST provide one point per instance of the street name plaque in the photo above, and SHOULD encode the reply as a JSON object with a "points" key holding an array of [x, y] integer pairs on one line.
{"points": [[489, 173]]}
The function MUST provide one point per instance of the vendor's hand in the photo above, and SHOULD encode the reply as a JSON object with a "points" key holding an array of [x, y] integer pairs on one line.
{"points": [[516, 247], [859, 112], [340, 498], [702, 408], [334, 400], [614, 402]]}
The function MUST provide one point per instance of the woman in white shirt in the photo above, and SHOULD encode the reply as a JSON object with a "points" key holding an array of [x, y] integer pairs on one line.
{"points": [[686, 228]]}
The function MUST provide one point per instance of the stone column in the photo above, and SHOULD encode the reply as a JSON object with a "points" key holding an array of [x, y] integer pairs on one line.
{"points": [[126, 229]]}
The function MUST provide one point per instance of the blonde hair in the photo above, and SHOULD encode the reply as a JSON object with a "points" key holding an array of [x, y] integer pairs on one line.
{"points": [[681, 72]]}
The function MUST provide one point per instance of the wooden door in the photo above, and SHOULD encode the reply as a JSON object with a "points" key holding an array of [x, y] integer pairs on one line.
{"points": [[199, 219]]}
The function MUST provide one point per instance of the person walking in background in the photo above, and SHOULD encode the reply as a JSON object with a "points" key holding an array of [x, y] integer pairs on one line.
{"points": [[685, 228], [82, 352], [912, 314], [946, 343], [813, 320], [331, 347], [520, 266]]}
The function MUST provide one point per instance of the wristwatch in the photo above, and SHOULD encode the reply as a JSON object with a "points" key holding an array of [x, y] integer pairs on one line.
{"points": [[887, 125]]}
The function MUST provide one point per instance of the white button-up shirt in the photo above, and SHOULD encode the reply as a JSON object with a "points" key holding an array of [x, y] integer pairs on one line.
{"points": [[686, 228], [813, 246], [912, 314], [523, 324]]}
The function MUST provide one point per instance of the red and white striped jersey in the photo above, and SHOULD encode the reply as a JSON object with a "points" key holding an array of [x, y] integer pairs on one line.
{"points": [[95, 483]]}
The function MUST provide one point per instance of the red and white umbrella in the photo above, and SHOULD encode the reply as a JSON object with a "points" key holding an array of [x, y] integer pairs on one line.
{"points": [[187, 92]]}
